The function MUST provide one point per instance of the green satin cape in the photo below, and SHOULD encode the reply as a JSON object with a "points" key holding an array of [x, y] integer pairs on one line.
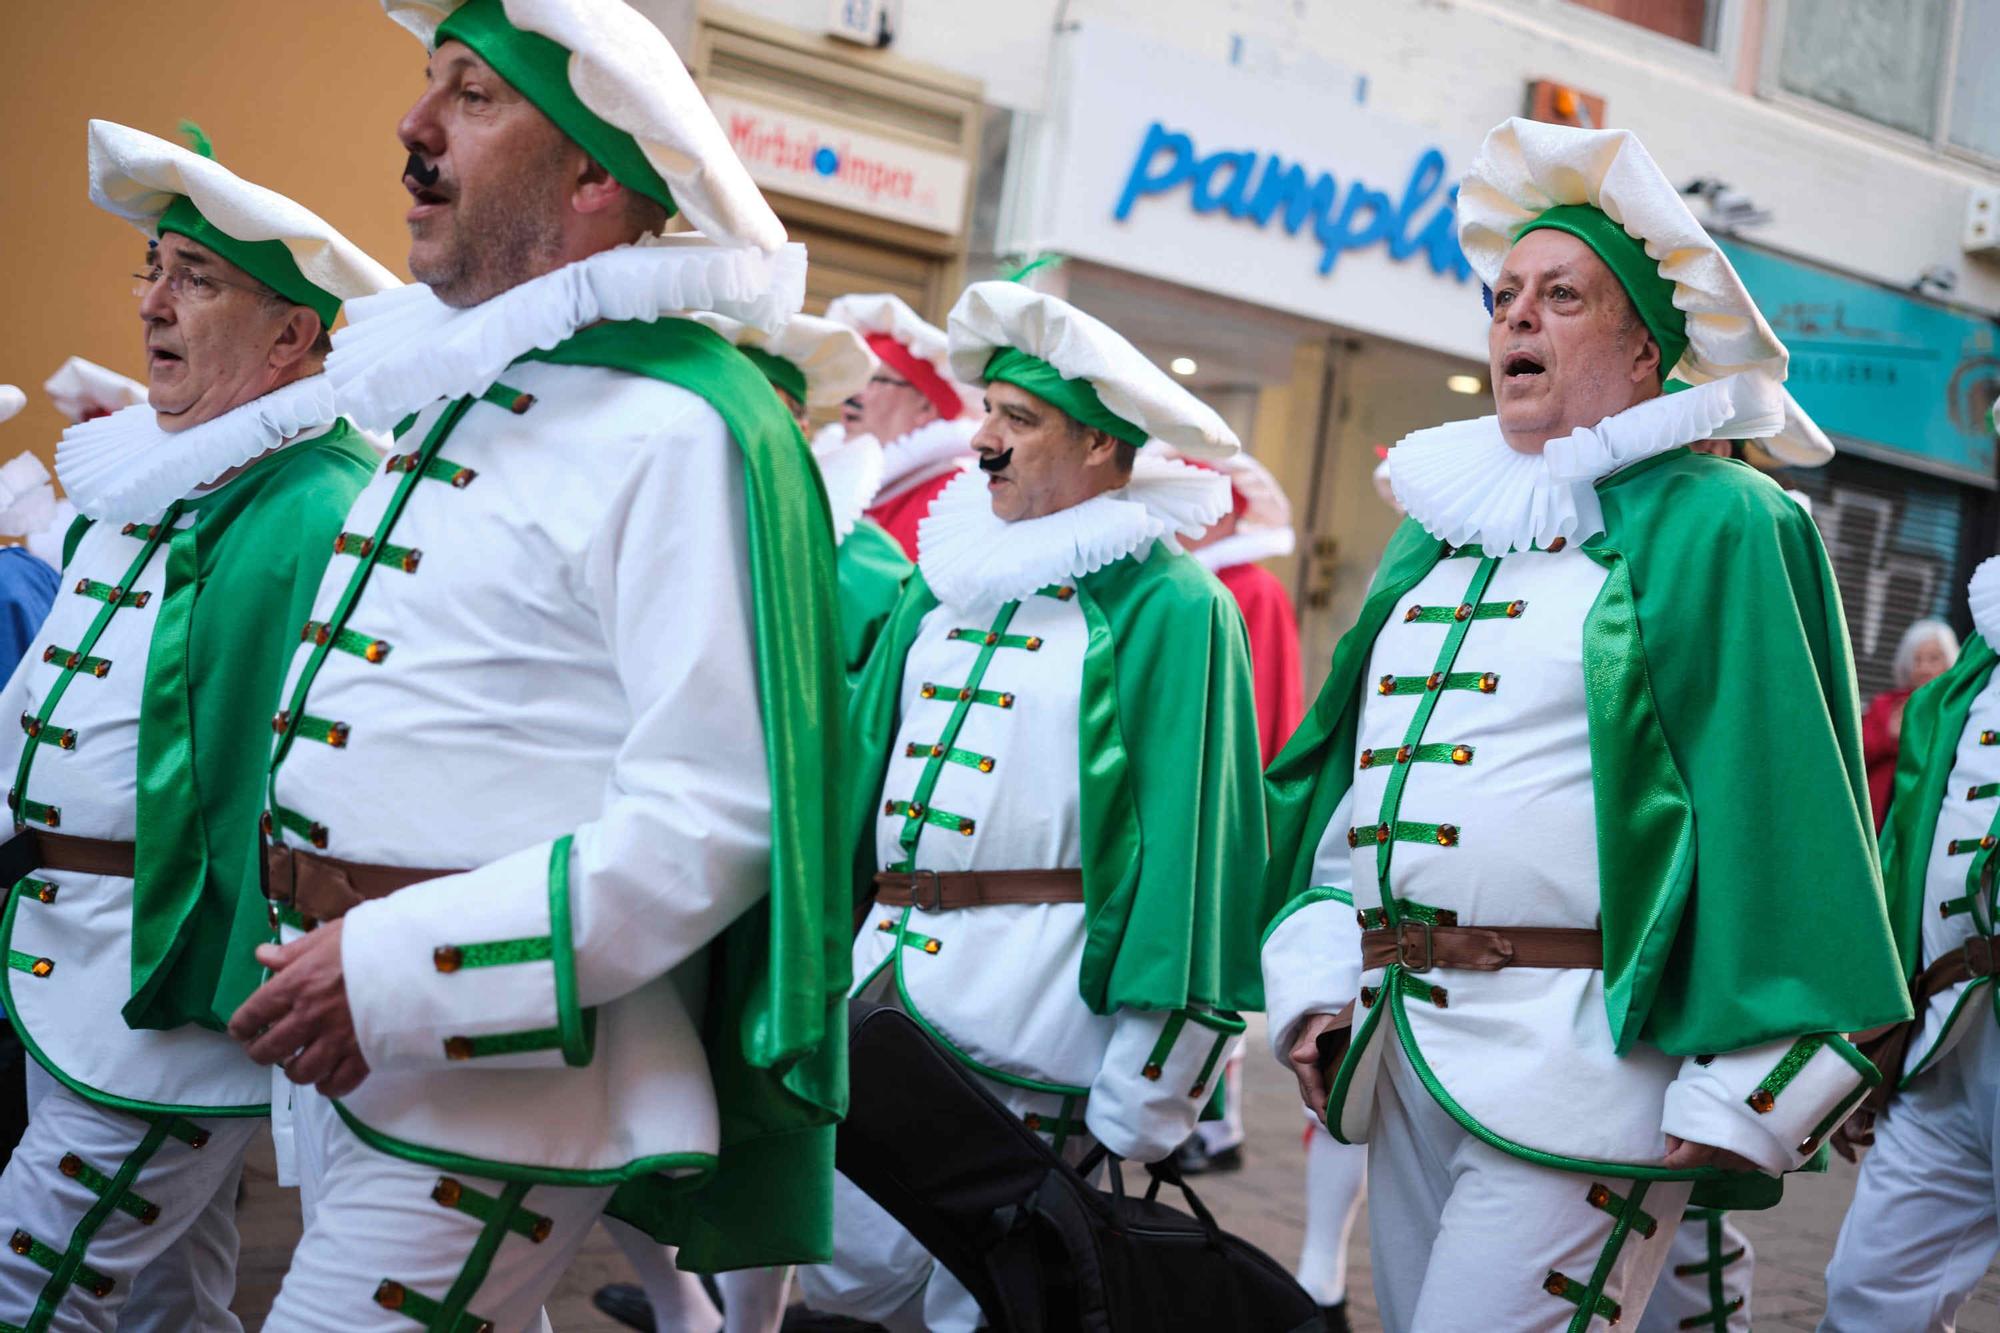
{"points": [[773, 1026], [240, 581], [872, 569], [1172, 817], [1741, 898], [1933, 719]]}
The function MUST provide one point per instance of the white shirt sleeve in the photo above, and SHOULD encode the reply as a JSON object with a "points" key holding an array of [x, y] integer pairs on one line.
{"points": [[1312, 957]]}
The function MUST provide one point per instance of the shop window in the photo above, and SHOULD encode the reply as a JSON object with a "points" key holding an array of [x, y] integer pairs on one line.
{"points": [[1690, 21], [1924, 67]]}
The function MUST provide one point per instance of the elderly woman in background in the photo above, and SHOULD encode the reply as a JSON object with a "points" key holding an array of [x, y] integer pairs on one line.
{"points": [[1928, 649]]}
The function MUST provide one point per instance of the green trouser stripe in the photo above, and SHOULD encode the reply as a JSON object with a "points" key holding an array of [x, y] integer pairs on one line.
{"points": [[1164, 1046], [353, 642], [338, 621], [1445, 615], [1453, 680], [950, 754], [1717, 1315], [1577, 1294], [323, 730], [1786, 1069], [41, 890], [71, 1267], [1027, 642], [430, 1313], [97, 1183], [944, 819], [1594, 1301], [457, 1194], [25, 808], [500, 953], [308, 829], [1066, 1125], [1208, 1065], [72, 660], [453, 1314], [503, 1043], [27, 962], [968, 695], [1952, 907], [1413, 735], [1604, 1199], [1982, 791], [44, 1256]]}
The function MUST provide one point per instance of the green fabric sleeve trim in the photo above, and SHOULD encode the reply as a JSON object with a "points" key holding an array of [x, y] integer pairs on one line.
{"points": [[493, 953], [576, 1024], [1918, 1064], [1163, 1046], [1801, 1052], [269, 262], [1077, 397], [1323, 894], [1343, 1077], [1208, 1065], [782, 373], [1637, 272], [539, 70]]}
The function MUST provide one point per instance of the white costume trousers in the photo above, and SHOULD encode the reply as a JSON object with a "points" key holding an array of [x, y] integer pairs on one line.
{"points": [[74, 1200], [1336, 1178], [1706, 1285], [390, 1244], [753, 1298], [1468, 1239], [1922, 1229]]}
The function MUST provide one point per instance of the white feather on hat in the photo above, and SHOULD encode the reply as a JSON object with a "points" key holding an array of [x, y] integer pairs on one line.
{"points": [[136, 176], [624, 70], [1527, 167], [81, 389], [995, 314], [832, 357]]}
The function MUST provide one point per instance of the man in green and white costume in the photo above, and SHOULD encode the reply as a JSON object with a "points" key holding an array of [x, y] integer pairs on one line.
{"points": [[206, 517], [1921, 1232], [1584, 781], [1064, 822], [813, 362], [546, 789]]}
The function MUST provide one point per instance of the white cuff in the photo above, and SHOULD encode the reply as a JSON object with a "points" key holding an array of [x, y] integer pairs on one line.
{"points": [[1312, 965], [1158, 1072], [1774, 1103]]}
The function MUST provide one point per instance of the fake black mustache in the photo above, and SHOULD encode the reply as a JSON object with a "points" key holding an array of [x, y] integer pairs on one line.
{"points": [[997, 463], [418, 172]]}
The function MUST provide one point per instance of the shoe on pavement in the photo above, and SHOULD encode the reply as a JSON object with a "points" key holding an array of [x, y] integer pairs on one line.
{"points": [[626, 1302]]}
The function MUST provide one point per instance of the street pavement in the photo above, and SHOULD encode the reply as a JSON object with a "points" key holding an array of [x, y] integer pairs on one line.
{"points": [[1264, 1203]]}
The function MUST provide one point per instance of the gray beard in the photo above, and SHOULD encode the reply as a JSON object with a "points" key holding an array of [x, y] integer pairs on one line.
{"points": [[493, 247]]}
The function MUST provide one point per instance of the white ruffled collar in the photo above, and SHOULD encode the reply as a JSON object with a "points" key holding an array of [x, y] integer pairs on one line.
{"points": [[1246, 546], [123, 468], [969, 558], [924, 453], [851, 467], [1983, 593], [1467, 485], [404, 349]]}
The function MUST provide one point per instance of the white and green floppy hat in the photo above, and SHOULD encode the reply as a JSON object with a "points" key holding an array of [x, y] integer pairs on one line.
{"points": [[816, 361], [161, 187], [611, 81], [1007, 331], [1604, 188]]}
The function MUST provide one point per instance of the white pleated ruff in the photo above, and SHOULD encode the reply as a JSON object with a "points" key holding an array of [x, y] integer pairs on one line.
{"points": [[851, 468], [1983, 592], [915, 457], [123, 468], [971, 558], [1467, 485], [404, 349]]}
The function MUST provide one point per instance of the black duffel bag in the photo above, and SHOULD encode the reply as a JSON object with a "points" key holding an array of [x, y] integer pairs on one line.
{"points": [[1041, 1248]]}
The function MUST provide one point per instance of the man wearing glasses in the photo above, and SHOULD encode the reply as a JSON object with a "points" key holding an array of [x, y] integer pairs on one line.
{"points": [[207, 515], [913, 406]]}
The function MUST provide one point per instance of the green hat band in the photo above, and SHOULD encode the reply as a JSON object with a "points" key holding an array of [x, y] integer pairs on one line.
{"points": [[1076, 397], [782, 373], [1652, 295], [270, 262], [539, 70]]}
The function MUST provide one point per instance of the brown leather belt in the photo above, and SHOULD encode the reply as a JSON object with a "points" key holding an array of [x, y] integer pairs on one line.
{"points": [[82, 856], [1419, 947], [949, 891], [1887, 1047], [322, 888]]}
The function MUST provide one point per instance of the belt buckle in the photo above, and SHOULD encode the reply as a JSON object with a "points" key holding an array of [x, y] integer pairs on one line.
{"points": [[917, 893], [1403, 946]]}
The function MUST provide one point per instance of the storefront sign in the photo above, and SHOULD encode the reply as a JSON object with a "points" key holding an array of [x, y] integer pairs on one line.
{"points": [[802, 155], [1290, 194], [1886, 373]]}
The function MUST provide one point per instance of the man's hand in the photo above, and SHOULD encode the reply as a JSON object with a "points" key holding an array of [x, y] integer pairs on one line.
{"points": [[1683, 1154], [299, 1018], [1305, 1058]]}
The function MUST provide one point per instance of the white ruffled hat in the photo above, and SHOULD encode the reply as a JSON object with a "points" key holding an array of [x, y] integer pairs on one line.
{"points": [[144, 179], [832, 361], [1526, 168], [886, 322], [83, 389], [626, 91], [12, 400], [1798, 443], [1126, 388]]}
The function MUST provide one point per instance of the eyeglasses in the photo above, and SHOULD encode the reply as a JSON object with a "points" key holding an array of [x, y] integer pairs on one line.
{"points": [[183, 281], [891, 381]]}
